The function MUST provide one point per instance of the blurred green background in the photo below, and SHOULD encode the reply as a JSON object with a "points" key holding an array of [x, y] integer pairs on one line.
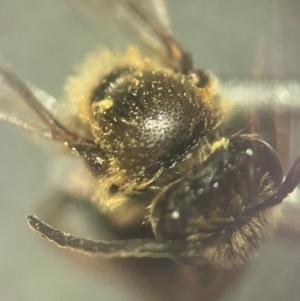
{"points": [[43, 40]]}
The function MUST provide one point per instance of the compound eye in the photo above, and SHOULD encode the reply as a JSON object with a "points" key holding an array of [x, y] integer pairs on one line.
{"points": [[169, 213], [171, 226], [265, 159]]}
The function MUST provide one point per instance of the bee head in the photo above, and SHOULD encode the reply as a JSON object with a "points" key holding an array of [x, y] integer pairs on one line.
{"points": [[218, 214], [217, 197]]}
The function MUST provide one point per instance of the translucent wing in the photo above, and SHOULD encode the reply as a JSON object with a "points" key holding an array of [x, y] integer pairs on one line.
{"points": [[14, 110], [33, 110], [148, 23]]}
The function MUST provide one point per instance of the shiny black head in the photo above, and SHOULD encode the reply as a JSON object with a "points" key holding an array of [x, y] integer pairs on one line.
{"points": [[239, 175]]}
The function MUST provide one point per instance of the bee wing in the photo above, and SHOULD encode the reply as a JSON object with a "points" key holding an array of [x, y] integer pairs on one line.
{"points": [[33, 110], [148, 23], [14, 110]]}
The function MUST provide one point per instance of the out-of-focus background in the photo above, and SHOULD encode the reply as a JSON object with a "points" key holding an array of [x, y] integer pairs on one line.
{"points": [[43, 40]]}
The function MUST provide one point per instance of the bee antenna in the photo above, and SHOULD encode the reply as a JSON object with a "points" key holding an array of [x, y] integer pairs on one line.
{"points": [[119, 248], [291, 181]]}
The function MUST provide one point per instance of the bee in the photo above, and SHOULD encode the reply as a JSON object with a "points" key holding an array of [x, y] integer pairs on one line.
{"points": [[156, 135]]}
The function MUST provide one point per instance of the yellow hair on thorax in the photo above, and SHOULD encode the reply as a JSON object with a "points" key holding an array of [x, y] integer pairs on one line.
{"points": [[96, 66]]}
